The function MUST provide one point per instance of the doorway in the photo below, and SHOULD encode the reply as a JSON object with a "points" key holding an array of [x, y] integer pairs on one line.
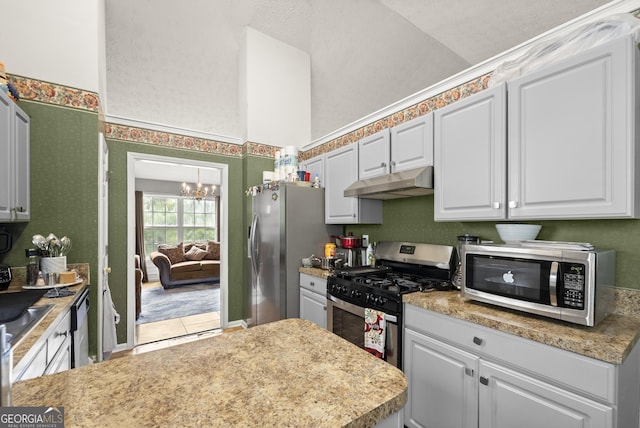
{"points": [[175, 170]]}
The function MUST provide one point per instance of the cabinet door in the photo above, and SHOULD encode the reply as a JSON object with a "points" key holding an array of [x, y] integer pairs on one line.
{"points": [[21, 131], [6, 156], [470, 158], [509, 399], [443, 385], [374, 155], [341, 170], [62, 360], [571, 136], [313, 307], [412, 144], [36, 367], [315, 166]]}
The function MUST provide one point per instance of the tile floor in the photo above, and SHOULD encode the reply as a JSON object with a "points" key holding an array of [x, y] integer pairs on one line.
{"points": [[177, 327], [140, 349], [167, 329]]}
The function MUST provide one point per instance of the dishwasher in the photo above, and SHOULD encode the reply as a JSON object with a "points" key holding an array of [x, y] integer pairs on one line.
{"points": [[80, 331]]}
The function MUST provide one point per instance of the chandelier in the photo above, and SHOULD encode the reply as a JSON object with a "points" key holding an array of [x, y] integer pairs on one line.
{"points": [[197, 192]]}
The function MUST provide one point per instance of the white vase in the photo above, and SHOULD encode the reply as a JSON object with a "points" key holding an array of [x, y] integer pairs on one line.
{"points": [[53, 264]]}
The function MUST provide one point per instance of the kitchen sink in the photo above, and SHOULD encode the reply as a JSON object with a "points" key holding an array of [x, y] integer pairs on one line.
{"points": [[19, 327], [19, 313]]}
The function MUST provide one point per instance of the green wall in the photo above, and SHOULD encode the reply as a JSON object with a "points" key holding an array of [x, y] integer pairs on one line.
{"points": [[64, 188], [411, 219], [118, 223]]}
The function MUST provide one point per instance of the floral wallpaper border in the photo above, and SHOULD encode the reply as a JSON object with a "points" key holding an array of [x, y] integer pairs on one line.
{"points": [[419, 109], [160, 138], [49, 93]]}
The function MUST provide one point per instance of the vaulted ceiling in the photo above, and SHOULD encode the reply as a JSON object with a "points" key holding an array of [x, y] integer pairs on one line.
{"points": [[176, 63]]}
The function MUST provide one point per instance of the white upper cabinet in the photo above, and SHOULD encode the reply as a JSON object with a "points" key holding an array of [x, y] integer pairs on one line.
{"points": [[341, 170], [14, 161], [6, 151], [412, 144], [470, 158], [572, 136], [375, 155], [570, 143], [315, 166], [405, 146]]}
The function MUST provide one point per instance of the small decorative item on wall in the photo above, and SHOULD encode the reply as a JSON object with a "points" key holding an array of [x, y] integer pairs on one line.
{"points": [[6, 86], [53, 252]]}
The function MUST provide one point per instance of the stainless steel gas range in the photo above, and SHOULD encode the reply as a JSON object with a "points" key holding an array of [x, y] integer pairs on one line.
{"points": [[401, 268]]}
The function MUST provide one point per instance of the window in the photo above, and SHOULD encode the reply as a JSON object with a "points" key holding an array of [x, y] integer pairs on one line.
{"points": [[173, 219]]}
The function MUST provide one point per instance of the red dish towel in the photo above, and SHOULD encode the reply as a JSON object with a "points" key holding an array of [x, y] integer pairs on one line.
{"points": [[374, 332]]}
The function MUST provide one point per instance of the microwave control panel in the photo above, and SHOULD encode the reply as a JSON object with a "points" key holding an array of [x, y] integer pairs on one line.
{"points": [[573, 286]]}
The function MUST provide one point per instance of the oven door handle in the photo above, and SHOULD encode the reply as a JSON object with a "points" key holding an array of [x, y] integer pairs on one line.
{"points": [[357, 310], [391, 318]]}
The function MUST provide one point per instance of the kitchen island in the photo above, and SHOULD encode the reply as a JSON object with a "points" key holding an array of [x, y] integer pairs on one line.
{"points": [[286, 373]]}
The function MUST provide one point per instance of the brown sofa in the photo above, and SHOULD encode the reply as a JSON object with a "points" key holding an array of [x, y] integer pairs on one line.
{"points": [[187, 264]]}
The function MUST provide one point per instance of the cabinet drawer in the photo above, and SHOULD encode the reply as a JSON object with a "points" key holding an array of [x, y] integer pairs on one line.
{"points": [[313, 283], [585, 374], [58, 337]]}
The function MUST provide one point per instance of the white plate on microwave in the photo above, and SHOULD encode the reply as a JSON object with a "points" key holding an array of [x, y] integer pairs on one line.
{"points": [[558, 245]]}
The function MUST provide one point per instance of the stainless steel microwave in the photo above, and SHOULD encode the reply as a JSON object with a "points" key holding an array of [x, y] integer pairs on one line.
{"points": [[573, 285]]}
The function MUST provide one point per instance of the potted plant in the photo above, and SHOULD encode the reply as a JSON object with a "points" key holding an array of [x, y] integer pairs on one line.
{"points": [[53, 252]]}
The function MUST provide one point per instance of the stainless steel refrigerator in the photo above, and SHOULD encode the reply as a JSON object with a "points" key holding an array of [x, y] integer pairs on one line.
{"points": [[287, 225]]}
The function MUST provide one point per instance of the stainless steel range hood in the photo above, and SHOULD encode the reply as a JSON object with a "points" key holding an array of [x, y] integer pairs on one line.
{"points": [[413, 182]]}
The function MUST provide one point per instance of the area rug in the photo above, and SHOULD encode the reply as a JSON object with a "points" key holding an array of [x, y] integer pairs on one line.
{"points": [[160, 304]]}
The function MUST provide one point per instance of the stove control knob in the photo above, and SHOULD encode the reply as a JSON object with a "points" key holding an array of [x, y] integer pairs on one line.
{"points": [[356, 293]]}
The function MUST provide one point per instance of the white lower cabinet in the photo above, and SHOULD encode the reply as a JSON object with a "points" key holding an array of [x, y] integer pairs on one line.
{"points": [[51, 354], [511, 399], [441, 392], [313, 299], [464, 375]]}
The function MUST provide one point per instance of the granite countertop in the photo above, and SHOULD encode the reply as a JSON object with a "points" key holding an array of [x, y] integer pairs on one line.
{"points": [[61, 306], [610, 341], [285, 373], [320, 273]]}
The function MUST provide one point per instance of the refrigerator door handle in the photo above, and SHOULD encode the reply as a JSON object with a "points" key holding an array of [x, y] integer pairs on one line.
{"points": [[253, 249]]}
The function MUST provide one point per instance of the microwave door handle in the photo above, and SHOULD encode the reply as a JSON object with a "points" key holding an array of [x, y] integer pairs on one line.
{"points": [[553, 282]]}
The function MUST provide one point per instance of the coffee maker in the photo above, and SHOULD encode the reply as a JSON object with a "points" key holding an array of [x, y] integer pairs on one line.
{"points": [[352, 257]]}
